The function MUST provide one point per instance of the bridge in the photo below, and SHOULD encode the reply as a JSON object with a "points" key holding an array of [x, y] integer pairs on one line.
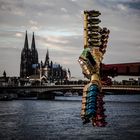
{"points": [[49, 92]]}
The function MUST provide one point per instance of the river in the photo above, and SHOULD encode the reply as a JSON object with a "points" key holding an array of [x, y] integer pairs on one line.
{"points": [[60, 119]]}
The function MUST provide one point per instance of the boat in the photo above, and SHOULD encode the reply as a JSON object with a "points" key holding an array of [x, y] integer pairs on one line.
{"points": [[68, 94]]}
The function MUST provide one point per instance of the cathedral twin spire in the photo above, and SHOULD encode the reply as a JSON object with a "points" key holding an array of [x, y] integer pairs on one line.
{"points": [[33, 46], [29, 58], [34, 53], [33, 50], [29, 61]]}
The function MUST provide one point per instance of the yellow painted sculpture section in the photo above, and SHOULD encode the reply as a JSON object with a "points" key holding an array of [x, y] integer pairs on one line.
{"points": [[95, 44]]}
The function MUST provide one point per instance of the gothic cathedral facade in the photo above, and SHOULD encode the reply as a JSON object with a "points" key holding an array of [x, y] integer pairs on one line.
{"points": [[29, 58], [30, 65]]}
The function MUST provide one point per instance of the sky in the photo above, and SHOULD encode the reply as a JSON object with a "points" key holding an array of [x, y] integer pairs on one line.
{"points": [[58, 27]]}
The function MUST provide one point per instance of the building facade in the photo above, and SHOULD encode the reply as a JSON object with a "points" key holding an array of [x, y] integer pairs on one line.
{"points": [[30, 65], [29, 58], [54, 72]]}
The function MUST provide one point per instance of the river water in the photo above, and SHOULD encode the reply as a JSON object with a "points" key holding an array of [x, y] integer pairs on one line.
{"points": [[60, 119]]}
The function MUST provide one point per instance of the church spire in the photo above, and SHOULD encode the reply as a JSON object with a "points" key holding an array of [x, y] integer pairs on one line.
{"points": [[25, 65], [69, 73], [47, 58], [47, 55], [34, 53], [33, 47], [26, 41]]}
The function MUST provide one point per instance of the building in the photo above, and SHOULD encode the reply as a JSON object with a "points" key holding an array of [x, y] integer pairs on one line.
{"points": [[52, 71], [29, 58], [31, 68]]}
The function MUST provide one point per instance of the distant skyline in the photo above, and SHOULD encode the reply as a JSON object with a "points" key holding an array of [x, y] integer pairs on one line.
{"points": [[58, 27]]}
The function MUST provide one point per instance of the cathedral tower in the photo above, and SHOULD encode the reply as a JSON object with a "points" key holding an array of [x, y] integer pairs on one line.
{"points": [[34, 55], [34, 52], [25, 65], [46, 63]]}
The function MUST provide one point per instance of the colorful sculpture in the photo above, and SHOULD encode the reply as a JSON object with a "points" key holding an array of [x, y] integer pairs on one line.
{"points": [[95, 43]]}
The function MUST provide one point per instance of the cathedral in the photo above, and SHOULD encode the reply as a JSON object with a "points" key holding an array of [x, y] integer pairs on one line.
{"points": [[29, 58], [30, 65]]}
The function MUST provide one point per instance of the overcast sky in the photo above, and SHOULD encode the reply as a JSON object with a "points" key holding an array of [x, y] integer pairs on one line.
{"points": [[58, 26]]}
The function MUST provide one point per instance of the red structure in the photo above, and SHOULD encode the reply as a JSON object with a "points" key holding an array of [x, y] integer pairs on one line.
{"points": [[124, 69]]}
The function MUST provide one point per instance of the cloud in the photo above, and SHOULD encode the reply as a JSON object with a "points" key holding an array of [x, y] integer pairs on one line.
{"points": [[18, 35], [34, 28], [122, 7], [32, 22], [56, 39], [64, 10], [12, 7]]}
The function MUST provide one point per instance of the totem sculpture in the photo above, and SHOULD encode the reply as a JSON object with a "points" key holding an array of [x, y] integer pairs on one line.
{"points": [[95, 43]]}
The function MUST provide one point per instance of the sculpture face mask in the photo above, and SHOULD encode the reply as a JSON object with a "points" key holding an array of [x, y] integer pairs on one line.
{"points": [[95, 43]]}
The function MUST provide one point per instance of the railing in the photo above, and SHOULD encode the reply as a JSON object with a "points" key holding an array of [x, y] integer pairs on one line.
{"points": [[61, 87]]}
